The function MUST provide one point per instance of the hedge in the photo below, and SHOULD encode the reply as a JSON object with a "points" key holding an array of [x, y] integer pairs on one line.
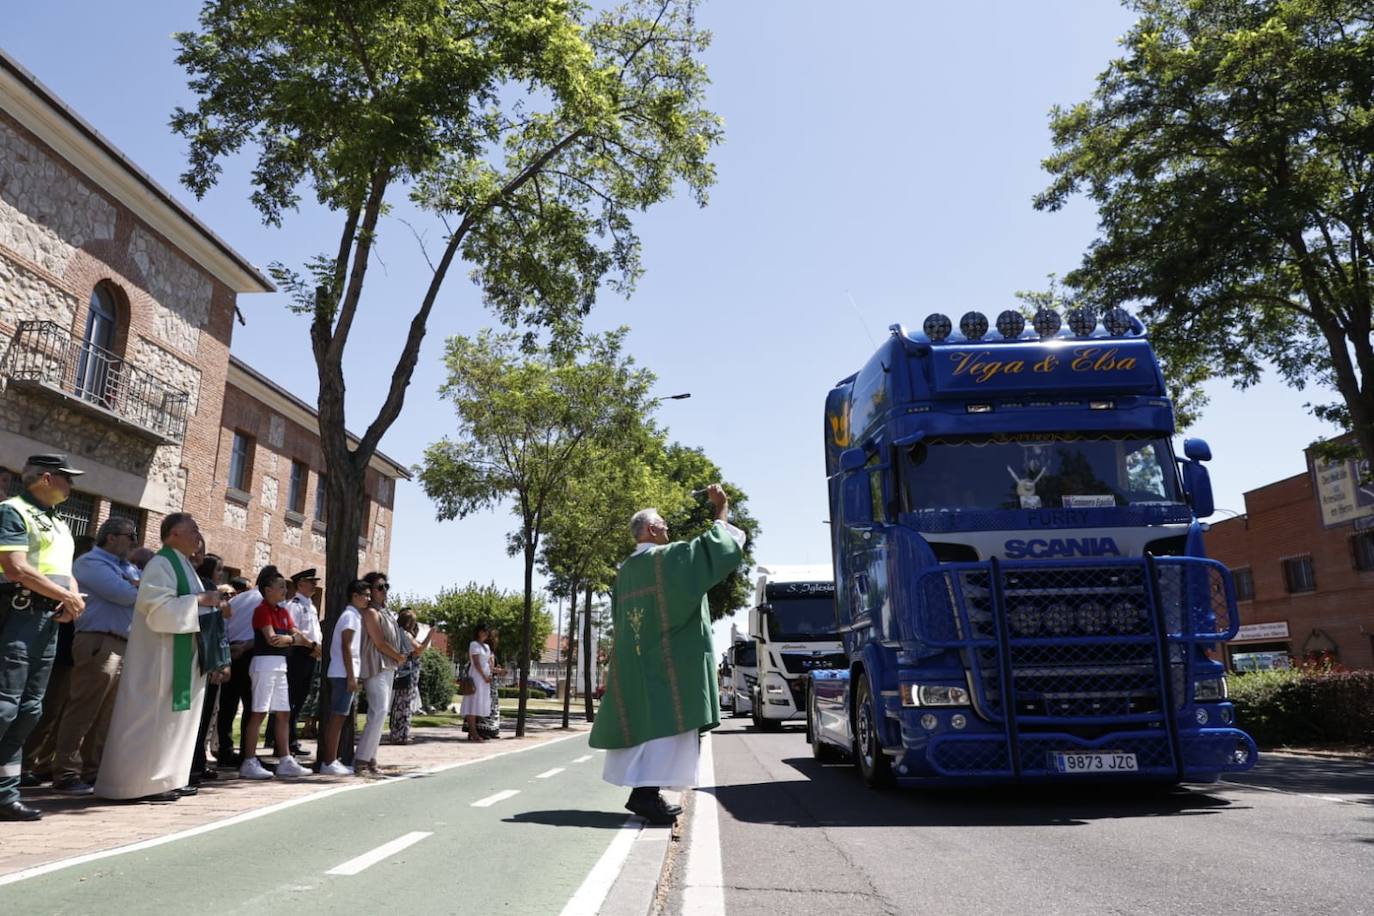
{"points": [[513, 693], [436, 679], [1305, 708]]}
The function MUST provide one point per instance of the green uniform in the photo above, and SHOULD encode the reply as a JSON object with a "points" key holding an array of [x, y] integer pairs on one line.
{"points": [[662, 678]]}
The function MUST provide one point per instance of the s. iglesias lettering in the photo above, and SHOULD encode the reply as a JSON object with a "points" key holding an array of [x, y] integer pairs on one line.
{"points": [[1046, 548]]}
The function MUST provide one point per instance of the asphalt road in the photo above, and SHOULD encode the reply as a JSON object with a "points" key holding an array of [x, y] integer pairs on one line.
{"points": [[1295, 835], [511, 834]]}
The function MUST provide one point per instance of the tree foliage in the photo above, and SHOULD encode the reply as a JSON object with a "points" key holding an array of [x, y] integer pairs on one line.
{"points": [[457, 611], [531, 130], [1229, 154], [526, 420]]}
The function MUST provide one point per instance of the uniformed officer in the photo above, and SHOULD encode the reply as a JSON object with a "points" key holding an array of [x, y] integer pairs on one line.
{"points": [[37, 592]]}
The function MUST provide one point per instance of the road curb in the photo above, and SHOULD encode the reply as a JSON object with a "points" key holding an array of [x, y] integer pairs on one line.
{"points": [[636, 888]]}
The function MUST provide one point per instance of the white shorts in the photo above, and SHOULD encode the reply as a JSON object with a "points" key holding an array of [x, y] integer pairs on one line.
{"points": [[269, 691]]}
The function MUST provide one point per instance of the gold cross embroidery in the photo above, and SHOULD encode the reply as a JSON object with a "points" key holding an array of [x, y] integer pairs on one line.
{"points": [[636, 618]]}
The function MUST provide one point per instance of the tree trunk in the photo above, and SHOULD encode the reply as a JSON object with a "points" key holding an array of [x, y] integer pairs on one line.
{"points": [[590, 666], [344, 502], [572, 653], [526, 638]]}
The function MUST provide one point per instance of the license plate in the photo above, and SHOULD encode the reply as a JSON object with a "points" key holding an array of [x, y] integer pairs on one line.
{"points": [[1094, 762]]}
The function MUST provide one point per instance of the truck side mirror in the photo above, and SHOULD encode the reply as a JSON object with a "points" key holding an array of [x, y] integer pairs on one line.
{"points": [[852, 459], [756, 624], [1197, 450], [857, 499], [1199, 486]]}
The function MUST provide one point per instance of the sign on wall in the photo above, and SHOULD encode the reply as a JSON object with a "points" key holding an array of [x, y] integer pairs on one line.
{"points": [[1259, 631], [1344, 495]]}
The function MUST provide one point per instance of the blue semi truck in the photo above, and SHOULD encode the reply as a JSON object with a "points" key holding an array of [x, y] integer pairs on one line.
{"points": [[1020, 579]]}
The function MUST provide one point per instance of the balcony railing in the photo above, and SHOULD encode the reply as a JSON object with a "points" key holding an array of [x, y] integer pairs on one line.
{"points": [[46, 355]]}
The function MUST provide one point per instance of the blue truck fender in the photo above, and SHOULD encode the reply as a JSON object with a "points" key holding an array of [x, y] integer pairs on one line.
{"points": [[882, 678]]}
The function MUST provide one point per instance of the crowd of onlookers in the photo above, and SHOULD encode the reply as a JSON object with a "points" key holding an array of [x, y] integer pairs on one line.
{"points": [[269, 633]]}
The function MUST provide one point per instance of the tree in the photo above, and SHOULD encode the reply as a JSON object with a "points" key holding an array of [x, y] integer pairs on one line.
{"points": [[531, 129], [524, 421], [690, 469], [457, 611], [1229, 155]]}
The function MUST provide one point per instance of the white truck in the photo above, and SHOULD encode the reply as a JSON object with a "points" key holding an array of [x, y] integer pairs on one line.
{"points": [[742, 660], [792, 626]]}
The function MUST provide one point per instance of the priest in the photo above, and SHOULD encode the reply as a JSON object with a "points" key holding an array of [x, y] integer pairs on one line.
{"points": [[661, 690], [157, 709]]}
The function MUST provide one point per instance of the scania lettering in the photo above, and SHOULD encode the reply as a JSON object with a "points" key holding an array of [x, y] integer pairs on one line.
{"points": [[792, 625], [1021, 588]]}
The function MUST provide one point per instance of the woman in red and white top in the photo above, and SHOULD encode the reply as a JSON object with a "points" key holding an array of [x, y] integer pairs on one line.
{"points": [[274, 632]]}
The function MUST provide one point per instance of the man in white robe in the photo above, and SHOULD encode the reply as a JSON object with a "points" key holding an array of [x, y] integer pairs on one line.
{"points": [[157, 709]]}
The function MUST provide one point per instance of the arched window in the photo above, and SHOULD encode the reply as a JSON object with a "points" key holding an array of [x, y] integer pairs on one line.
{"points": [[97, 364]]}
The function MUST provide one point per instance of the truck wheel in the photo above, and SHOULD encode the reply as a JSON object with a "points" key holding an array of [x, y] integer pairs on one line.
{"points": [[874, 765]]}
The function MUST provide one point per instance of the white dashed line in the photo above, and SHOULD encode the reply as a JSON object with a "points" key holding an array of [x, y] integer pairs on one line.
{"points": [[1326, 798], [498, 797], [353, 866], [584, 758], [547, 773], [703, 891]]}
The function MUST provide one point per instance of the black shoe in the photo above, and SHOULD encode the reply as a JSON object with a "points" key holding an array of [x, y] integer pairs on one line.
{"points": [[228, 759], [160, 797], [18, 811], [298, 751], [674, 810], [186, 790], [209, 774], [29, 780], [652, 809]]}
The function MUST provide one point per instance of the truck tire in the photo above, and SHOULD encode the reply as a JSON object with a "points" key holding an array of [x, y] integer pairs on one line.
{"points": [[874, 765], [761, 723]]}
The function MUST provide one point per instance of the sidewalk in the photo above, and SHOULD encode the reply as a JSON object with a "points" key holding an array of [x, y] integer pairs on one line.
{"points": [[78, 826]]}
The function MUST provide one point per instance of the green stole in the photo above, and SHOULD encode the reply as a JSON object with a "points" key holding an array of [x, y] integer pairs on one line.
{"points": [[183, 644]]}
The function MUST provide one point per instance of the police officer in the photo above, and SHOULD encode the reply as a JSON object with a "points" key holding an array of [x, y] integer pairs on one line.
{"points": [[37, 592]]}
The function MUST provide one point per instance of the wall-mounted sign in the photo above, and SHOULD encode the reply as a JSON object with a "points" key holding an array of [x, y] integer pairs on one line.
{"points": [[1343, 495], [1253, 632]]}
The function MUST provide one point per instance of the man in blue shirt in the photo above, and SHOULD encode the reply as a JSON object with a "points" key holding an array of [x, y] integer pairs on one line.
{"points": [[102, 635]]}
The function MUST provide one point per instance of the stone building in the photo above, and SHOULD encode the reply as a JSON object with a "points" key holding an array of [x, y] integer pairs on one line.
{"points": [[1302, 557], [117, 308]]}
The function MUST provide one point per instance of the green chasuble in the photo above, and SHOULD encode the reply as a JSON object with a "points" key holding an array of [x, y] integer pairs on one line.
{"points": [[662, 678]]}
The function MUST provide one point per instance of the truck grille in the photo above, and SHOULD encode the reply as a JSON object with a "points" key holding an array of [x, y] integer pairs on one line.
{"points": [[795, 663], [1081, 643]]}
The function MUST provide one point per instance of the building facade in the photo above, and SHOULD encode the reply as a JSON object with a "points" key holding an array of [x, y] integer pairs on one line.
{"points": [[1305, 590], [117, 308]]}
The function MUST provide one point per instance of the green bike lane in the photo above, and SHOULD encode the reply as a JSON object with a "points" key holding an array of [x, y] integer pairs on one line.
{"points": [[524, 853]]}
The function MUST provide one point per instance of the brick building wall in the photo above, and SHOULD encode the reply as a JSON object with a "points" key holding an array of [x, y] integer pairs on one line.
{"points": [[255, 525], [1282, 523], [79, 221], [63, 236]]}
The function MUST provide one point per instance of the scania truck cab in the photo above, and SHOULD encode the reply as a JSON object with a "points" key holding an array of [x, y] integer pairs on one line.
{"points": [[1021, 586], [792, 625]]}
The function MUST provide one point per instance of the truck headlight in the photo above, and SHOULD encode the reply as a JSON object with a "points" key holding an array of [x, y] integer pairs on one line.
{"points": [[1209, 690], [933, 695], [774, 688]]}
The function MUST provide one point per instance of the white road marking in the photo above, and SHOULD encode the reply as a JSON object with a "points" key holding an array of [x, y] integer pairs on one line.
{"points": [[547, 773], [498, 797], [594, 888], [386, 850], [703, 890], [584, 758], [60, 864], [1326, 798]]}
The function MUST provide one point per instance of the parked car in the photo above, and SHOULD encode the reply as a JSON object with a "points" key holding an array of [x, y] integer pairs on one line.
{"points": [[540, 684]]}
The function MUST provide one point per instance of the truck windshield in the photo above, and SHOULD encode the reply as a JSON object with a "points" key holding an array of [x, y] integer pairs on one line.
{"points": [[744, 655], [795, 619], [1039, 471]]}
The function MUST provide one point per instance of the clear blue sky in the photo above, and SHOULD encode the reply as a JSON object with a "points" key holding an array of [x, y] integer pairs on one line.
{"points": [[888, 153]]}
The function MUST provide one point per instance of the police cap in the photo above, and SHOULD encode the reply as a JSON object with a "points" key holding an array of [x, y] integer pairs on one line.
{"points": [[53, 464]]}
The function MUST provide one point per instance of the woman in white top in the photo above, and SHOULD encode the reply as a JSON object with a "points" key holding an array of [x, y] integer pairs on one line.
{"points": [[477, 702]]}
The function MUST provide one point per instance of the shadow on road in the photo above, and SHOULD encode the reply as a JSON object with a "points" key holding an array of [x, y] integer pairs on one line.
{"points": [[570, 817], [831, 795], [1350, 777]]}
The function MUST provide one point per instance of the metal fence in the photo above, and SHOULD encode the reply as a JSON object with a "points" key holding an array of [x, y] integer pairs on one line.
{"points": [[45, 353]]}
